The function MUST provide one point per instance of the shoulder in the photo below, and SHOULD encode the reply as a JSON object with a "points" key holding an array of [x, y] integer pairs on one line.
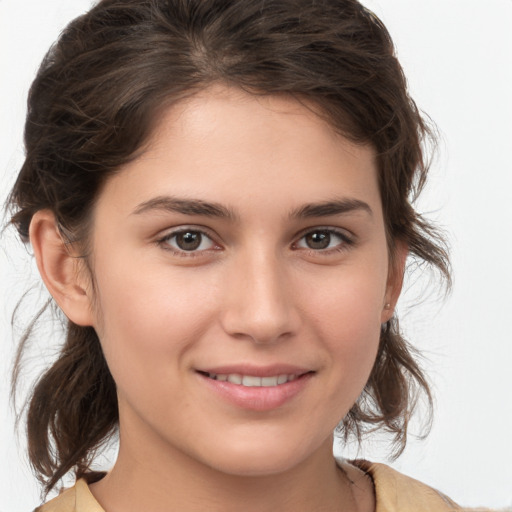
{"points": [[395, 492], [64, 502], [76, 499]]}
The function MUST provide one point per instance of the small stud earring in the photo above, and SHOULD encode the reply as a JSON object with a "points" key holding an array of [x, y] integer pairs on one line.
{"points": [[387, 305]]}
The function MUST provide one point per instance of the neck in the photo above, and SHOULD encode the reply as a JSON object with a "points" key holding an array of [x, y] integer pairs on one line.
{"points": [[163, 480]]}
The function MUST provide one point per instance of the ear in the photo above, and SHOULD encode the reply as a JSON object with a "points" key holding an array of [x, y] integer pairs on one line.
{"points": [[61, 270], [395, 280]]}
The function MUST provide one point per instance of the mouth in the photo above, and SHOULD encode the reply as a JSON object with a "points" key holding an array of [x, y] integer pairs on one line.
{"points": [[257, 389], [254, 380]]}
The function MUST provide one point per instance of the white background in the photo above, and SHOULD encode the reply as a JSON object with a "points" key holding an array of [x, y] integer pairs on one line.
{"points": [[457, 55]]}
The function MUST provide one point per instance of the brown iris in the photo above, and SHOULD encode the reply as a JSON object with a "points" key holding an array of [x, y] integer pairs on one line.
{"points": [[318, 239], [188, 240]]}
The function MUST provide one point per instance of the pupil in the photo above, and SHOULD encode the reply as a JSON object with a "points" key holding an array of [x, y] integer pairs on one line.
{"points": [[318, 240], [188, 241]]}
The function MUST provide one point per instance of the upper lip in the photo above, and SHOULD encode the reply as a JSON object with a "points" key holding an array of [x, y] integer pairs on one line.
{"points": [[256, 371]]}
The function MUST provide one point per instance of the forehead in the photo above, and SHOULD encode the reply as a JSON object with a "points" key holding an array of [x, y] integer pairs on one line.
{"points": [[227, 145]]}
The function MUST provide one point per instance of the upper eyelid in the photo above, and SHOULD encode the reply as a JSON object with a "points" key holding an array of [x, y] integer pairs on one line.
{"points": [[169, 232], [331, 229]]}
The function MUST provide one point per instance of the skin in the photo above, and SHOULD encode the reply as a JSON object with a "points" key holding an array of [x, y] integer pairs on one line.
{"points": [[253, 293]]}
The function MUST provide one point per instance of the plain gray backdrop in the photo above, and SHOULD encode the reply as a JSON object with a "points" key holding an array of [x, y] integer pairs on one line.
{"points": [[457, 55]]}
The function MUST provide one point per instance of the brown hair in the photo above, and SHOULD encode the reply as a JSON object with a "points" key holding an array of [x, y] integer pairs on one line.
{"points": [[93, 105]]}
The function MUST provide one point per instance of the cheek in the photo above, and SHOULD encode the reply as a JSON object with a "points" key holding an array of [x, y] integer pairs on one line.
{"points": [[148, 329], [146, 320], [348, 302], [347, 318]]}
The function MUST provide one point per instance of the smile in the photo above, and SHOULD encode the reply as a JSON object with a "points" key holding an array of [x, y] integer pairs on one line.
{"points": [[272, 388], [252, 380]]}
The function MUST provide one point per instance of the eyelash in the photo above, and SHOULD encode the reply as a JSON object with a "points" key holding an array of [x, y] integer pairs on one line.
{"points": [[164, 242], [346, 242]]}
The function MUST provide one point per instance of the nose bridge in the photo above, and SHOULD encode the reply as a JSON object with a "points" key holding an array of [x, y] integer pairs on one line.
{"points": [[259, 301]]}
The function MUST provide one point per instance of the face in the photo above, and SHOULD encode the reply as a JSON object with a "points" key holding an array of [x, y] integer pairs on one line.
{"points": [[241, 276]]}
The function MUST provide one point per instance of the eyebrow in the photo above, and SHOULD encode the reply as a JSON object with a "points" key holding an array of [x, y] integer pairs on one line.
{"points": [[330, 208], [213, 209], [186, 207]]}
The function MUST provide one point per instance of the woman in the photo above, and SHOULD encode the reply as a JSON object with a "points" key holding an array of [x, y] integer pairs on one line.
{"points": [[218, 198]]}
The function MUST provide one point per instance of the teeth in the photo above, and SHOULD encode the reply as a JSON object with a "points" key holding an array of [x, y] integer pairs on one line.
{"points": [[282, 379], [248, 380], [235, 378], [269, 381], [253, 381]]}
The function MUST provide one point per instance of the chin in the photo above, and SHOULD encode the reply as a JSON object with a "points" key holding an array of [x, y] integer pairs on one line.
{"points": [[259, 458], [258, 466]]}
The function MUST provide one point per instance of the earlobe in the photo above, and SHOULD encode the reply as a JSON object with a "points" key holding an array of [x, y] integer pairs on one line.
{"points": [[60, 269], [395, 281]]}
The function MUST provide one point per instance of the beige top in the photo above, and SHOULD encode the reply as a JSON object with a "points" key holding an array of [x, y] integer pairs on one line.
{"points": [[394, 493]]}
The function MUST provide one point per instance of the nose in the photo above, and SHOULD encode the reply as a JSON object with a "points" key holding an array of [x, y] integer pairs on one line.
{"points": [[259, 301]]}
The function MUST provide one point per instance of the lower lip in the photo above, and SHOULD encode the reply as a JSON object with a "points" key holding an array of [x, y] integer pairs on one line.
{"points": [[258, 398]]}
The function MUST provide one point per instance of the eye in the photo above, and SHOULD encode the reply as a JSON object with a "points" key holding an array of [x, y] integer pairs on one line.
{"points": [[187, 240], [324, 240]]}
